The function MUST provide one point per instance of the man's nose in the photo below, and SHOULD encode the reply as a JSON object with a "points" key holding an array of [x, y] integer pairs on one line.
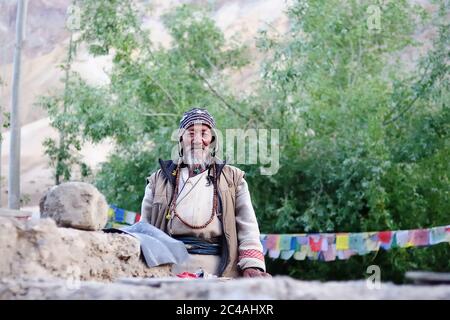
{"points": [[197, 138]]}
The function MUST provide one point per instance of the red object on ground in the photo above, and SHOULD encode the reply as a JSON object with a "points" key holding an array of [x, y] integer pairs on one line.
{"points": [[187, 275]]}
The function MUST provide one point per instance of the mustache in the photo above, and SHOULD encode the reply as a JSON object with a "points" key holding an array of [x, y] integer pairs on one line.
{"points": [[198, 146], [197, 157]]}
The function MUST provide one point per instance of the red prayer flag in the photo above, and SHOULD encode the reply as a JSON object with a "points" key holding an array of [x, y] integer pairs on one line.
{"points": [[315, 243], [385, 236]]}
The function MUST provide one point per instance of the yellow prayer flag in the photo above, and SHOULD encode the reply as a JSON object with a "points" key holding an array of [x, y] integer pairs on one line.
{"points": [[342, 241]]}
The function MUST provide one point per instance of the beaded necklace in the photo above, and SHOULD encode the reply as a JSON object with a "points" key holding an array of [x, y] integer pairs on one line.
{"points": [[174, 201]]}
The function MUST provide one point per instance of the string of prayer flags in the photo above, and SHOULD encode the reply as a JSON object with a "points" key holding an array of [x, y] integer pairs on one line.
{"points": [[118, 217], [322, 246], [332, 246]]}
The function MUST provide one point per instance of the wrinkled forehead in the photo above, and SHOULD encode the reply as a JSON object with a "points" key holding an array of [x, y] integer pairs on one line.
{"points": [[198, 127]]}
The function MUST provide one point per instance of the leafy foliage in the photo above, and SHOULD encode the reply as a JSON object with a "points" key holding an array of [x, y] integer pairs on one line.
{"points": [[365, 142]]}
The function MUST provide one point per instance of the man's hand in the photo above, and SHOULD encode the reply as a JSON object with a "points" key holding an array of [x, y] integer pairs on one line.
{"points": [[255, 273]]}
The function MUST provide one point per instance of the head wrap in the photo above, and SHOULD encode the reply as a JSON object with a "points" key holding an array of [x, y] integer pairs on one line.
{"points": [[197, 116]]}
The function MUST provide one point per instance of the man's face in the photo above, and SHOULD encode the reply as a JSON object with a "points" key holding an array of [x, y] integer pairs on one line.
{"points": [[196, 142]]}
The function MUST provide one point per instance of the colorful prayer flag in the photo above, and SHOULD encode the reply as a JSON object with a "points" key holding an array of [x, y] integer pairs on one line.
{"points": [[285, 242], [273, 242], [315, 242], [420, 237], [342, 241]]}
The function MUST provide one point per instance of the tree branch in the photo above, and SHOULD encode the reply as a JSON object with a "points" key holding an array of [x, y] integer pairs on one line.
{"points": [[216, 93]]}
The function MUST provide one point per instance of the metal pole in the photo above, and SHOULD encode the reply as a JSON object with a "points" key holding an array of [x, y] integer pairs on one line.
{"points": [[14, 149]]}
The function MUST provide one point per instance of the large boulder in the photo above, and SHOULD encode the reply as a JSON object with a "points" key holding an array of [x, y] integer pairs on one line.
{"points": [[76, 205]]}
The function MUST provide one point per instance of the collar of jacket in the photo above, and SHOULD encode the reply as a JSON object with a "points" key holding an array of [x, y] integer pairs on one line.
{"points": [[168, 166]]}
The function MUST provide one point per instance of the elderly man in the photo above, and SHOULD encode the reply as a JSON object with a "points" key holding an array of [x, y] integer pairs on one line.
{"points": [[206, 204]]}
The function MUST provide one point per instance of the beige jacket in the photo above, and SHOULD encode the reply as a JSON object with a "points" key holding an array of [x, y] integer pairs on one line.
{"points": [[242, 247]]}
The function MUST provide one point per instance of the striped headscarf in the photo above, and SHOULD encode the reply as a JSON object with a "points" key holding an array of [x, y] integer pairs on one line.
{"points": [[197, 116]]}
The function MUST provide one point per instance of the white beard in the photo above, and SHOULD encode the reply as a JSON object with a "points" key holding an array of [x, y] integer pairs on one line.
{"points": [[197, 157]]}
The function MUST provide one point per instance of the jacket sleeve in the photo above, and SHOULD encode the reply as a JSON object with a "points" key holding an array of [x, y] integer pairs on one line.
{"points": [[250, 247], [146, 207]]}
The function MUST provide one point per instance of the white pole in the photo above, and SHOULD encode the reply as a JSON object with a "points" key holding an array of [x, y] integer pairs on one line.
{"points": [[14, 149], [2, 61]]}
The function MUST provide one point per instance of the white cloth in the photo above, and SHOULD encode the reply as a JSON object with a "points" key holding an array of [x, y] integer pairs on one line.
{"points": [[194, 205]]}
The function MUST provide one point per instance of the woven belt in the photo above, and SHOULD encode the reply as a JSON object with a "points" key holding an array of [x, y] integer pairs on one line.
{"points": [[196, 245]]}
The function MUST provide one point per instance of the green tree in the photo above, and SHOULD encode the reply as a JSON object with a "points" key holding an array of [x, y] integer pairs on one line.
{"points": [[64, 154], [149, 89], [364, 139]]}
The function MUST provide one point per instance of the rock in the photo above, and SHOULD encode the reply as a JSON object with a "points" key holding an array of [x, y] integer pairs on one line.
{"points": [[39, 249], [77, 205]]}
